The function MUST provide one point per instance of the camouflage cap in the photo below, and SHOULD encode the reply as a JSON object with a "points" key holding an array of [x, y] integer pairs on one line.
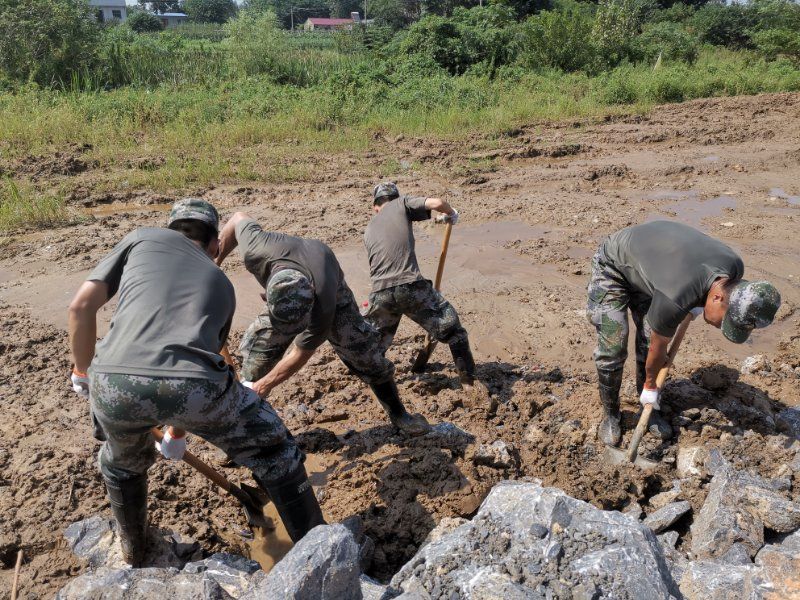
{"points": [[194, 208], [752, 305], [385, 189], [290, 297]]}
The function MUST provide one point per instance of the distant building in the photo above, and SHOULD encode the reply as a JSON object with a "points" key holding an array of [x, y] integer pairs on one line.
{"points": [[325, 24], [109, 10], [171, 19]]}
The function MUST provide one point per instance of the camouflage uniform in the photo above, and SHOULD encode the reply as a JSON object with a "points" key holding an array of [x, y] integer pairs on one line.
{"points": [[224, 413], [609, 301], [354, 340], [421, 303]]}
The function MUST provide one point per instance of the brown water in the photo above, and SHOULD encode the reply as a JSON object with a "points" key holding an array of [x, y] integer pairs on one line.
{"points": [[692, 210]]}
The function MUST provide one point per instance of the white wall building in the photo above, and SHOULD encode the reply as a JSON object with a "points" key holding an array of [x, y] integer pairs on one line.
{"points": [[109, 10]]}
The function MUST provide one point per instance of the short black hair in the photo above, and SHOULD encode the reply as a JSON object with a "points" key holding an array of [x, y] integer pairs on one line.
{"points": [[380, 201], [195, 230]]}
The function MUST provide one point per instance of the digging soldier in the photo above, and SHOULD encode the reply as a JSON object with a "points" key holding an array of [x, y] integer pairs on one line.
{"points": [[307, 303], [160, 364], [398, 287], [663, 271]]}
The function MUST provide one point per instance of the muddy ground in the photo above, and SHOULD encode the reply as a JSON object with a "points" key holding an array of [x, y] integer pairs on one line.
{"points": [[535, 203]]}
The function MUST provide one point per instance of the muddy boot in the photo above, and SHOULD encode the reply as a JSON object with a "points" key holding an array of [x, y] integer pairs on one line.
{"points": [[465, 364], [296, 503], [658, 427], [388, 396], [129, 506], [609, 383]]}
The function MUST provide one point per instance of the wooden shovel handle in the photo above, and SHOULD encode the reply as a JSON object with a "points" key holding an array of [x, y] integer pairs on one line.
{"points": [[199, 465], [644, 420], [443, 256]]}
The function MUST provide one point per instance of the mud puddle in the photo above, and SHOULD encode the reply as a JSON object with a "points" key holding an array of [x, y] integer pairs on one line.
{"points": [[780, 193], [693, 211]]}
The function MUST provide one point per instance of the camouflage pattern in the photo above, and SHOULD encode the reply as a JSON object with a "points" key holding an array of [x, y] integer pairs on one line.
{"points": [[607, 310], [194, 208], [356, 342], [752, 305], [420, 303], [385, 189], [290, 298], [226, 414]]}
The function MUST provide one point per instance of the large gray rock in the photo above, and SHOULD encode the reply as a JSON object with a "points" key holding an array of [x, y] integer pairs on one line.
{"points": [[324, 565], [219, 577], [527, 541], [665, 517], [372, 590], [713, 580]]}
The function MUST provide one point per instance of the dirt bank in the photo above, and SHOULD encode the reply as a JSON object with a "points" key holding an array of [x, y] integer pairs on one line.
{"points": [[534, 206]]}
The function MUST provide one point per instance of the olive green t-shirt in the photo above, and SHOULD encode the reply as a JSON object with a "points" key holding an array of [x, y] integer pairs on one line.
{"points": [[673, 264], [264, 252], [389, 239], [174, 310]]}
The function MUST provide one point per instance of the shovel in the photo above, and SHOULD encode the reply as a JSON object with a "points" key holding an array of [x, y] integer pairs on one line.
{"points": [[617, 456], [252, 499], [430, 344]]}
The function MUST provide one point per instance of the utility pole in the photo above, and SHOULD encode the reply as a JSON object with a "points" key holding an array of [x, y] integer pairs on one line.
{"points": [[291, 16]]}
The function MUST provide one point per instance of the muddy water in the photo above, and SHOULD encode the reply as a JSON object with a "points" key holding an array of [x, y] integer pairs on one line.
{"points": [[690, 209], [780, 193], [269, 546]]}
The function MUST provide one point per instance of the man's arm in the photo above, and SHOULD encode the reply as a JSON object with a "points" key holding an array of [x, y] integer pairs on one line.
{"points": [[91, 296], [227, 237], [438, 205], [290, 364], [656, 358]]}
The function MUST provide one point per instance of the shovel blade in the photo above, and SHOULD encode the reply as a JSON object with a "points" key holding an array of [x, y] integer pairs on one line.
{"points": [[617, 456], [254, 502]]}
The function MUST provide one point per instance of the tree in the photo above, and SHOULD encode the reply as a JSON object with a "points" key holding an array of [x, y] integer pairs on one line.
{"points": [[210, 11], [143, 22], [47, 41], [161, 6]]}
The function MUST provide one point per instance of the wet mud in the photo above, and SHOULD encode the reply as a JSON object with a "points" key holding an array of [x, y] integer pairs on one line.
{"points": [[533, 207]]}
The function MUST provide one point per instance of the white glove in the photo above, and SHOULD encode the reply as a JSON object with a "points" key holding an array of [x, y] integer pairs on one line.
{"points": [[696, 312], [248, 384], [650, 397], [80, 383], [452, 219], [172, 448]]}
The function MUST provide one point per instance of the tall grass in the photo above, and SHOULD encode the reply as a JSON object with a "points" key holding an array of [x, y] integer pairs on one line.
{"points": [[26, 207]]}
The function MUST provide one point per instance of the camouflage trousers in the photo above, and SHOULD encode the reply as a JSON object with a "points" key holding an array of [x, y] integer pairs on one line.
{"points": [[224, 413], [420, 303], [356, 343], [610, 298]]}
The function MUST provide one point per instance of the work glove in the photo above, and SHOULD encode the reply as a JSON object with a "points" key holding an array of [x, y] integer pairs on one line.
{"points": [[172, 448], [80, 383], [696, 312], [650, 397], [452, 219], [248, 384]]}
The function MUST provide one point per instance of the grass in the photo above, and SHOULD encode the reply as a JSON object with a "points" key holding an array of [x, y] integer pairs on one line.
{"points": [[257, 129], [26, 207]]}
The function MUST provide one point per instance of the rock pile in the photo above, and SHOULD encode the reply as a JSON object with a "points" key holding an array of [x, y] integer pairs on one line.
{"points": [[525, 542]]}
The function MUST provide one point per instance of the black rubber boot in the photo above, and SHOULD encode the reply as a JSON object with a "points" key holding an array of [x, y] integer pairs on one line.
{"points": [[465, 364], [389, 398], [659, 427], [129, 506], [609, 383], [296, 503]]}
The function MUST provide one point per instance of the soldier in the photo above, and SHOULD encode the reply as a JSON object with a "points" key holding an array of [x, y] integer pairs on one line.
{"points": [[398, 287], [160, 363], [307, 302], [663, 271]]}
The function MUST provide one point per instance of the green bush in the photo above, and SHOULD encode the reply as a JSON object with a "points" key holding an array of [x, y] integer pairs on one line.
{"points": [[724, 25], [255, 43], [210, 11], [773, 43], [558, 40], [616, 24], [47, 41], [143, 22], [668, 40]]}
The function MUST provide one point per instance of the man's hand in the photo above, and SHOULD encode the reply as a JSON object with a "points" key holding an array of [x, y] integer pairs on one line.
{"points": [[650, 397], [227, 237], [80, 383], [82, 323], [452, 218], [172, 446]]}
